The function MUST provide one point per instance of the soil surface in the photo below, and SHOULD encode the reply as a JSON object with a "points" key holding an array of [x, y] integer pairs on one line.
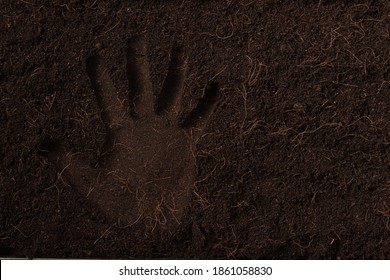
{"points": [[195, 129]]}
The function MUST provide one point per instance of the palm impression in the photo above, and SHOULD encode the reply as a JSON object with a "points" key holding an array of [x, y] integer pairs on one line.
{"points": [[145, 174]]}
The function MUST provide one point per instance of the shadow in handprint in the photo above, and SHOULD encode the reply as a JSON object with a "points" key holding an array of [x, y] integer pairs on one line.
{"points": [[145, 172]]}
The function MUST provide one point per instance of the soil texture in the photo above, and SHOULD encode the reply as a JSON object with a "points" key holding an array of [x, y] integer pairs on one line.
{"points": [[231, 129]]}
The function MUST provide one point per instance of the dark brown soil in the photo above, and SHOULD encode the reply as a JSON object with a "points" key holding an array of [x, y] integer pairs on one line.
{"points": [[292, 164]]}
